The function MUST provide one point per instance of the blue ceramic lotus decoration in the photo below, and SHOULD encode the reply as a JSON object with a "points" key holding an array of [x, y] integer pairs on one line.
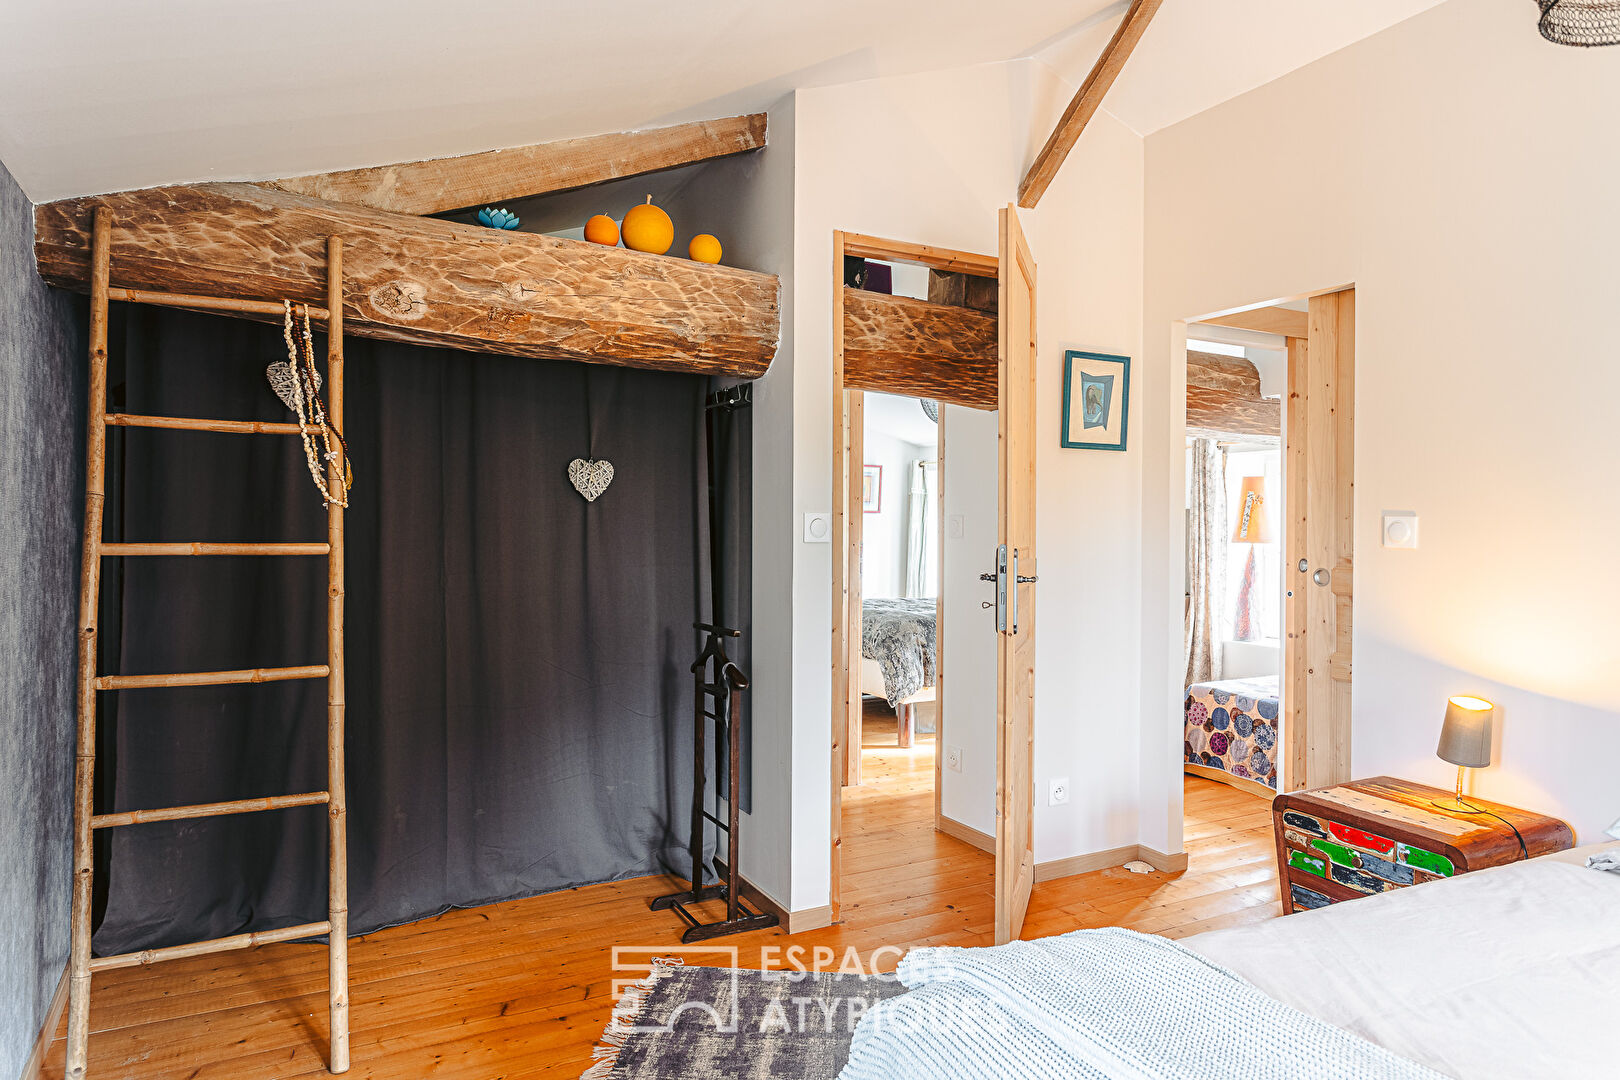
{"points": [[497, 219]]}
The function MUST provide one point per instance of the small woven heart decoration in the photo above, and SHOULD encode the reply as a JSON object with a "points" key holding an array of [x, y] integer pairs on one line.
{"points": [[590, 478], [281, 379]]}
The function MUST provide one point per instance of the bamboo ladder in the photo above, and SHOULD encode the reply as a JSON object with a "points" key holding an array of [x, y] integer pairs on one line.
{"points": [[336, 926]]}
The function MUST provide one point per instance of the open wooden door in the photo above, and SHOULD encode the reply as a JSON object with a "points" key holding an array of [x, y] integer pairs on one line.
{"points": [[1015, 591], [1320, 545]]}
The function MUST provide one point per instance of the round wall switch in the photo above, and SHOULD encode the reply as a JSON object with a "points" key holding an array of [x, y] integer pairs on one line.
{"points": [[1400, 529]]}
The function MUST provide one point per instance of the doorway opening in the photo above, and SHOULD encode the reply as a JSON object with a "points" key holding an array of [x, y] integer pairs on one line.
{"points": [[916, 518], [1268, 600]]}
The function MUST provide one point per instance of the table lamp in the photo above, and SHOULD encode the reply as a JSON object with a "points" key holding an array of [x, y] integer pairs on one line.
{"points": [[1465, 741], [1252, 526]]}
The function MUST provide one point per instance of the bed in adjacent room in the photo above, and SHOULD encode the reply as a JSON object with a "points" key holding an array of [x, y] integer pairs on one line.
{"points": [[898, 641], [1234, 732]]}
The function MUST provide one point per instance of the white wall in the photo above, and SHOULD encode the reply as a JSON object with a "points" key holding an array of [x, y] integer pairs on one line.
{"points": [[1460, 171], [935, 156], [970, 494], [883, 540]]}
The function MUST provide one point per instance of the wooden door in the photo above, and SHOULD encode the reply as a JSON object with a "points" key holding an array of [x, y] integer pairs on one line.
{"points": [[1320, 543], [1015, 661]]}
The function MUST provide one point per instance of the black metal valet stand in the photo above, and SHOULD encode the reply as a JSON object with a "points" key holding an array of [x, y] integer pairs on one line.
{"points": [[720, 683], [717, 695]]}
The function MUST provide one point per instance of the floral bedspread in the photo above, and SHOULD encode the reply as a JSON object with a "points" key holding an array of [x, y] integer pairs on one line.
{"points": [[1235, 726], [899, 635]]}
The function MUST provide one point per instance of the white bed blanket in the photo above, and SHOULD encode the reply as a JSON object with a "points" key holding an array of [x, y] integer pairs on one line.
{"points": [[1511, 972], [1099, 1005]]}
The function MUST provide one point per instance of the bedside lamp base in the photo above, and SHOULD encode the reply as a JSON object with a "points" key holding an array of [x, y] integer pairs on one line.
{"points": [[1455, 805]]}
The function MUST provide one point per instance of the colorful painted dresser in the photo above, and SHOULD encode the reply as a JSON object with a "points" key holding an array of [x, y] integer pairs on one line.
{"points": [[1370, 836]]}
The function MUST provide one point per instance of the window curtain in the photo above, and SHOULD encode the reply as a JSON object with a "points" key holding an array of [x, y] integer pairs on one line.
{"points": [[1206, 560], [922, 531]]}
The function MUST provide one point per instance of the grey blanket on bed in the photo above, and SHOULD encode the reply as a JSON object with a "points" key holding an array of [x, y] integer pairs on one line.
{"points": [[899, 635]]}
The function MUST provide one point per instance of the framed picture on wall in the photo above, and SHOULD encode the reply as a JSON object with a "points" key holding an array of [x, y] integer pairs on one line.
{"points": [[872, 488], [1096, 400]]}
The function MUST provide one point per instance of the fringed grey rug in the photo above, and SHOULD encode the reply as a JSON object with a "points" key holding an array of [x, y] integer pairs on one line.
{"points": [[700, 1023]]}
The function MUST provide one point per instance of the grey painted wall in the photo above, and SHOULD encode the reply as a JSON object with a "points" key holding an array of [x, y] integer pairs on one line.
{"points": [[41, 491]]}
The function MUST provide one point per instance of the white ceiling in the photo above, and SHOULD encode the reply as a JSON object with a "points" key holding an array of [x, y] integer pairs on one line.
{"points": [[1199, 53], [103, 95], [899, 417]]}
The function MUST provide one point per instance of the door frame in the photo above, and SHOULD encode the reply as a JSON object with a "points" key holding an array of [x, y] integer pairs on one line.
{"points": [[847, 528], [1312, 755]]}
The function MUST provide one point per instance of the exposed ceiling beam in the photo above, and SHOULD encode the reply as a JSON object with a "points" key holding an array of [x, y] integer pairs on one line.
{"points": [[425, 280], [1266, 320], [1232, 374], [1218, 413], [1086, 102], [494, 176], [903, 346]]}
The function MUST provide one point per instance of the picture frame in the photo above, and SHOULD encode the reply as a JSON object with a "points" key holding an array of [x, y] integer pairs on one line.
{"points": [[1096, 400], [872, 489]]}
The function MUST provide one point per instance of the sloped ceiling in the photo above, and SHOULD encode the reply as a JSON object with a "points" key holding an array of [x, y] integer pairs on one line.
{"points": [[1199, 53], [104, 95]]}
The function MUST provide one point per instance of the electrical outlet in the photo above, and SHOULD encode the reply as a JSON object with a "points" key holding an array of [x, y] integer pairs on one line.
{"points": [[953, 758], [1057, 792]]}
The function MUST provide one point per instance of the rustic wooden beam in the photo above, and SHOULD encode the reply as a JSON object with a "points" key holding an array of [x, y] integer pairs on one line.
{"points": [[1233, 374], [425, 280], [903, 346], [452, 183], [1217, 412], [963, 290], [1267, 320], [1086, 102]]}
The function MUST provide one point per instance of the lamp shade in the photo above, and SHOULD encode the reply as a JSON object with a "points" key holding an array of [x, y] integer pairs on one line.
{"points": [[1252, 526], [1465, 738]]}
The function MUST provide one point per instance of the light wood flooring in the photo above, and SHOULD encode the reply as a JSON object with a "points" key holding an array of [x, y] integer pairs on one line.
{"points": [[522, 989]]}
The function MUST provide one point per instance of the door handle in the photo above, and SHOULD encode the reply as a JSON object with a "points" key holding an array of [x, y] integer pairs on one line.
{"points": [[1322, 576], [1012, 600]]}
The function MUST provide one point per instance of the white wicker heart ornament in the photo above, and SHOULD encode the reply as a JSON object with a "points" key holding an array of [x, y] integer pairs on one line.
{"points": [[590, 478], [282, 382]]}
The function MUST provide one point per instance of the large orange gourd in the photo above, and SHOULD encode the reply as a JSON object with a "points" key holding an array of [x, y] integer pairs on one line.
{"points": [[647, 228]]}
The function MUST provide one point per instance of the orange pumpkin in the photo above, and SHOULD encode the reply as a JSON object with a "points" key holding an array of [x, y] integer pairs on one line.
{"points": [[704, 248], [602, 229], [647, 228]]}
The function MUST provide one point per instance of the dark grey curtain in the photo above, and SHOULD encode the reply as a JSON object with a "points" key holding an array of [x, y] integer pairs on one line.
{"points": [[518, 693]]}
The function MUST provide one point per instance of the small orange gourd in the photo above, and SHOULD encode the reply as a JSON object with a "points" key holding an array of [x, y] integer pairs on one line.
{"points": [[602, 229]]}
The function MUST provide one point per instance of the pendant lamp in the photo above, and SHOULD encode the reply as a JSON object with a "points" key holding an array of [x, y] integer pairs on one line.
{"points": [[1582, 23]]}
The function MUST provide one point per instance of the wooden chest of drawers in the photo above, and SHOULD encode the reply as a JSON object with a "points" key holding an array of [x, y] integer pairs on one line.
{"points": [[1370, 836]]}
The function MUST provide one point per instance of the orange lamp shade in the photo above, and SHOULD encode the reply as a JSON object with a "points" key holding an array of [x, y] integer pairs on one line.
{"points": [[1252, 526]]}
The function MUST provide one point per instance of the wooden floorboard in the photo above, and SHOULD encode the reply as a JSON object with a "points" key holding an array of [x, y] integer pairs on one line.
{"points": [[522, 989]]}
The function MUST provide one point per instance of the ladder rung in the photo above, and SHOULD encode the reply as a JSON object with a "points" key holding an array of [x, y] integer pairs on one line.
{"points": [[212, 678], [203, 948], [211, 303], [717, 822], [187, 423], [207, 548], [215, 809]]}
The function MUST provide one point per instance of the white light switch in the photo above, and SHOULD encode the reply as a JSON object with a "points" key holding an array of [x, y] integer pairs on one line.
{"points": [[955, 526], [1400, 529], [818, 528]]}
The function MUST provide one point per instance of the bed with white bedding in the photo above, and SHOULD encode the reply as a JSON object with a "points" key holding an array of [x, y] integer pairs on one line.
{"points": [[1507, 973]]}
